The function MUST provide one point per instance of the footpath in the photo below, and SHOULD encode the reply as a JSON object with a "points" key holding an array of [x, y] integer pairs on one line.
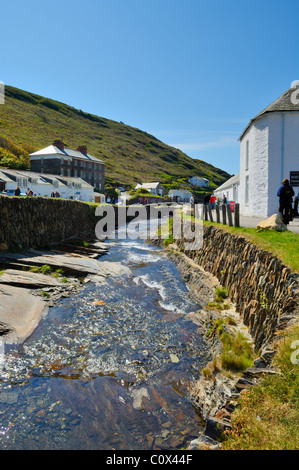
{"points": [[253, 221]]}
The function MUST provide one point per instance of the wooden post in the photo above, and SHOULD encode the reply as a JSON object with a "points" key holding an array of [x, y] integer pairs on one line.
{"points": [[205, 212], [237, 215], [223, 207], [229, 215], [210, 213], [217, 214]]}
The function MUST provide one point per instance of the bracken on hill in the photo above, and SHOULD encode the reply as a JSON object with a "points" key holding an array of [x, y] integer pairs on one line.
{"points": [[29, 122]]}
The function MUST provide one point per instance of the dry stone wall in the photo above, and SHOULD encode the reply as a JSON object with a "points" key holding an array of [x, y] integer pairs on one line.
{"points": [[38, 222], [265, 291]]}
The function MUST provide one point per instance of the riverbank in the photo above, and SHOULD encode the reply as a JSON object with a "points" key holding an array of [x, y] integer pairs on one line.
{"points": [[264, 294]]}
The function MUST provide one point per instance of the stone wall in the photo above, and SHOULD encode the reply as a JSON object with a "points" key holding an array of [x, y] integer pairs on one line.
{"points": [[38, 222], [266, 292]]}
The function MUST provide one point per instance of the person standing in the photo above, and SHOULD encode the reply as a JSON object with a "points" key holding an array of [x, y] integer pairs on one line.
{"points": [[17, 191], [213, 201], [206, 199], [285, 194]]}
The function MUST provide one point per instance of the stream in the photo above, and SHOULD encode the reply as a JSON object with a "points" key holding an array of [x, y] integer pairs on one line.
{"points": [[109, 367]]}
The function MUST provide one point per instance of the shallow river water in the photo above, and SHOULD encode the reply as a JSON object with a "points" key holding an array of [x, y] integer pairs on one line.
{"points": [[109, 367]]}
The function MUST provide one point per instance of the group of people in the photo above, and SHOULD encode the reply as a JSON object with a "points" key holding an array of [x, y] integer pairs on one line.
{"points": [[142, 200], [55, 194], [286, 209], [212, 200]]}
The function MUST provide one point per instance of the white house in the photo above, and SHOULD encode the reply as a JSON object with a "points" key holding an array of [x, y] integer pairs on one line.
{"points": [[199, 181], [269, 152], [180, 195], [230, 189], [154, 188], [43, 184]]}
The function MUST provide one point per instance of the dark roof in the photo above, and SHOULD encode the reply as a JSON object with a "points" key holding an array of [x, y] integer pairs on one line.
{"points": [[289, 101]]}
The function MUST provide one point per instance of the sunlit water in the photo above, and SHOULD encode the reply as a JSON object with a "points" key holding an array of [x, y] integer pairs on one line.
{"points": [[109, 367]]}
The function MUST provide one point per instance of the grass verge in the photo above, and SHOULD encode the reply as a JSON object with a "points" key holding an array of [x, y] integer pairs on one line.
{"points": [[267, 417]]}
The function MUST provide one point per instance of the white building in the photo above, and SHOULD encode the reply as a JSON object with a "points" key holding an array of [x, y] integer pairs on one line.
{"points": [[154, 188], [199, 181], [230, 189], [269, 152], [43, 184], [180, 195]]}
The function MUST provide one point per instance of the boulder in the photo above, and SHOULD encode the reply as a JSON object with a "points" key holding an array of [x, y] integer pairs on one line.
{"points": [[272, 223]]}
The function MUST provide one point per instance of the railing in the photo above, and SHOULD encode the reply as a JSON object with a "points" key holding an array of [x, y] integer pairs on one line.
{"points": [[224, 212]]}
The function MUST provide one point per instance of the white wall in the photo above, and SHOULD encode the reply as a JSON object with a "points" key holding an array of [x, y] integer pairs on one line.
{"points": [[257, 173], [231, 193], [273, 153], [283, 151]]}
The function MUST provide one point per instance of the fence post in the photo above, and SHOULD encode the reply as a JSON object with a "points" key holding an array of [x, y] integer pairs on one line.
{"points": [[229, 215], [237, 215], [210, 213], [205, 212], [217, 214], [223, 207]]}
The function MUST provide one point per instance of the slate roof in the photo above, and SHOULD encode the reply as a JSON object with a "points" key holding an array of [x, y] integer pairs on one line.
{"points": [[229, 183], [9, 175], [53, 150], [288, 101]]}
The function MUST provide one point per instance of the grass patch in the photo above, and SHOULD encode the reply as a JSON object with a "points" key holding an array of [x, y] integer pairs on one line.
{"points": [[44, 294], [45, 269], [267, 418], [284, 245], [237, 352]]}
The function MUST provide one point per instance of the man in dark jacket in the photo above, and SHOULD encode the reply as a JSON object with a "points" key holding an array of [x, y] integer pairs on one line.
{"points": [[285, 194]]}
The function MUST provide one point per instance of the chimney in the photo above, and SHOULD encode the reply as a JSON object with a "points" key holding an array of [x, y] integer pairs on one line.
{"points": [[82, 149], [59, 144]]}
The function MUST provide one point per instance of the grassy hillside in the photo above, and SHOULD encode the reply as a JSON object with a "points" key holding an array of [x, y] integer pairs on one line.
{"points": [[29, 122]]}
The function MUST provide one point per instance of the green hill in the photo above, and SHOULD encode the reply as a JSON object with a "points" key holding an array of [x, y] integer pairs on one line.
{"points": [[29, 122]]}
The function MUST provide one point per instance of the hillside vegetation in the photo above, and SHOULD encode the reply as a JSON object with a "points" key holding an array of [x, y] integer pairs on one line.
{"points": [[29, 122]]}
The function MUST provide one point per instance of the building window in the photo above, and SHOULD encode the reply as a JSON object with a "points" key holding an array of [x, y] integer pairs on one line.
{"points": [[22, 182], [247, 155], [247, 191]]}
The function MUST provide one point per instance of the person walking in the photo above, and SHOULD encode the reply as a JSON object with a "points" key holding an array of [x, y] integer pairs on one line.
{"points": [[285, 194]]}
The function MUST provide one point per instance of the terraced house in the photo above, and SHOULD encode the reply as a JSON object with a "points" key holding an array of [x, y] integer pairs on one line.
{"points": [[57, 159]]}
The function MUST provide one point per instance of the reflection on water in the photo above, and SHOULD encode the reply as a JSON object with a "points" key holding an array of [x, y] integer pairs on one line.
{"points": [[109, 367]]}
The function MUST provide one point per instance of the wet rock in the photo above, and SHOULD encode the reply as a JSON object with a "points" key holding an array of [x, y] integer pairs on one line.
{"points": [[10, 398], [204, 443], [138, 398], [215, 428]]}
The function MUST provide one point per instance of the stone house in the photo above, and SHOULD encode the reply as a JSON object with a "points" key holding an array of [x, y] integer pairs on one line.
{"points": [[180, 195], [199, 181], [269, 152], [57, 159], [230, 189], [154, 188]]}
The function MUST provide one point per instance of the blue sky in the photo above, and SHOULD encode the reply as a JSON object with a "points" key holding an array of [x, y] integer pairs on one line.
{"points": [[191, 72]]}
